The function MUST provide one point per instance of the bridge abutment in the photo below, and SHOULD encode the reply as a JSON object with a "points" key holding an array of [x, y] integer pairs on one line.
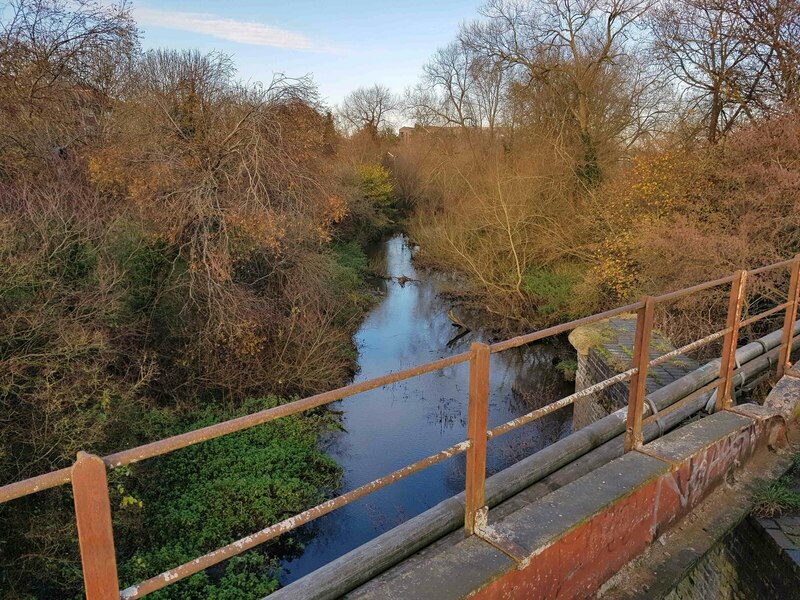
{"points": [[605, 349]]}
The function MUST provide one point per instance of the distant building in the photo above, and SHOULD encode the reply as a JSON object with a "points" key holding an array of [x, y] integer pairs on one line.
{"points": [[407, 132], [418, 130]]}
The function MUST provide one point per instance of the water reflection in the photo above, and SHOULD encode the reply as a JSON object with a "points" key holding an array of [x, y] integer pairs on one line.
{"points": [[389, 428]]}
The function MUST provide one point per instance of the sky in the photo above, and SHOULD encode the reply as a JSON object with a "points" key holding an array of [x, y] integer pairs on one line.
{"points": [[342, 44]]}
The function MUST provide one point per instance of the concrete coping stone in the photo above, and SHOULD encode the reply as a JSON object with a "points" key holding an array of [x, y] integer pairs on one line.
{"points": [[759, 412], [684, 442], [473, 563], [783, 396], [450, 574], [541, 523]]}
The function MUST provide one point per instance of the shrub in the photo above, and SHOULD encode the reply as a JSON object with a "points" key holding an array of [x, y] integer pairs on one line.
{"points": [[372, 209], [553, 289]]}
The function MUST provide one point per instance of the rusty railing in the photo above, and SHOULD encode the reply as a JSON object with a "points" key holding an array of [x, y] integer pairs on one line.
{"points": [[88, 475]]}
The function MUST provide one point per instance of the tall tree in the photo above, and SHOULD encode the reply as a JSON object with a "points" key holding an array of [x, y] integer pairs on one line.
{"points": [[55, 54], [368, 108], [458, 87], [772, 29], [575, 59], [733, 60]]}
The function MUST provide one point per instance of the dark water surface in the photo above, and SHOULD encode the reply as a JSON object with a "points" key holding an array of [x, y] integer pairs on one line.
{"points": [[391, 427]]}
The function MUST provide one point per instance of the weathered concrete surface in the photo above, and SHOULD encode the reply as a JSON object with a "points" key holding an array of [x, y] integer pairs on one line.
{"points": [[574, 537], [702, 454], [569, 542], [701, 558], [783, 397], [718, 552], [476, 564]]}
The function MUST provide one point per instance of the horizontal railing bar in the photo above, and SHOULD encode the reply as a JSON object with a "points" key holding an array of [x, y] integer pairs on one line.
{"points": [[773, 266], [213, 431], [239, 546], [125, 457], [556, 329], [554, 406], [765, 314], [695, 288], [18, 489], [597, 387], [688, 347]]}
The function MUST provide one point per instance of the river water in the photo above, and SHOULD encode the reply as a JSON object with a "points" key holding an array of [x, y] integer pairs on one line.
{"points": [[391, 427]]}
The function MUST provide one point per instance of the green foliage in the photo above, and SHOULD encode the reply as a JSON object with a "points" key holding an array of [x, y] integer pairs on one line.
{"points": [[205, 496], [351, 265], [347, 280], [376, 185], [73, 260], [589, 170], [552, 288], [148, 267], [568, 368], [775, 497], [372, 204]]}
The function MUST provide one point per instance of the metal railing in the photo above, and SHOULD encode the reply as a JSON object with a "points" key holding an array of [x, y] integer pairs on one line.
{"points": [[88, 475]]}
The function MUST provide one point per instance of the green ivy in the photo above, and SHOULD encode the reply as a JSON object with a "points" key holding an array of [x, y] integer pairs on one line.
{"points": [[202, 497]]}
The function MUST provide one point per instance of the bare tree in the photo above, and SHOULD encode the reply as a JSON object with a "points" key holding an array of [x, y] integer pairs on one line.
{"points": [[368, 108], [772, 29], [576, 60], [701, 43], [459, 88], [55, 54]]}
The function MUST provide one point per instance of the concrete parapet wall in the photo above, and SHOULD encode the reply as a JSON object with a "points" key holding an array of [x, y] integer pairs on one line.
{"points": [[567, 544]]}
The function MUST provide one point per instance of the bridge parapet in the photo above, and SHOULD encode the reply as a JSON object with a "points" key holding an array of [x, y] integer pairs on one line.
{"points": [[567, 544]]}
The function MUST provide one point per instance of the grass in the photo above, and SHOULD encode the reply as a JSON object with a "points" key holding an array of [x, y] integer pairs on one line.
{"points": [[552, 288], [776, 497]]}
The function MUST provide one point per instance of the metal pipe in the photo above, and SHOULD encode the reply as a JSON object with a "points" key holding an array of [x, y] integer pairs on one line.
{"points": [[369, 560]]}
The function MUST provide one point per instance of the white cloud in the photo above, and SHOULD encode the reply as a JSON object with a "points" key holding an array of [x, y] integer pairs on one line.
{"points": [[243, 32]]}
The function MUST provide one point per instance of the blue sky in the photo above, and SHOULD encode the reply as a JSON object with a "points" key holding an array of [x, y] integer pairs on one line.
{"points": [[343, 44]]}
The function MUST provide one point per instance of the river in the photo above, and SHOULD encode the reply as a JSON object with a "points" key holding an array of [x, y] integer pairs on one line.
{"points": [[391, 427]]}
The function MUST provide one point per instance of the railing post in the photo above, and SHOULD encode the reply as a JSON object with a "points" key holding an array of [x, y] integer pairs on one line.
{"points": [[730, 341], [638, 385], [95, 536], [789, 318], [477, 421]]}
